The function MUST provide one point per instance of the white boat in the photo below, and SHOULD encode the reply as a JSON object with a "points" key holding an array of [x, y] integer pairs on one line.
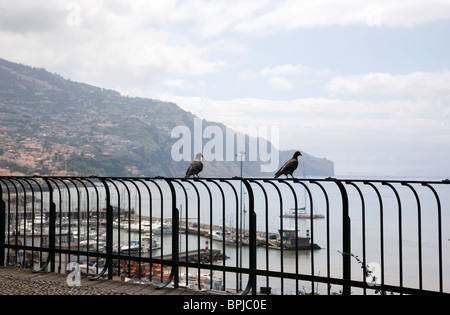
{"points": [[222, 236], [145, 226], [159, 229], [301, 213], [150, 243], [131, 248], [40, 219]]}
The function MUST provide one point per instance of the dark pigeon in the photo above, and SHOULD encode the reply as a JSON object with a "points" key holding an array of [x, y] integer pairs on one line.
{"points": [[196, 167], [289, 167]]}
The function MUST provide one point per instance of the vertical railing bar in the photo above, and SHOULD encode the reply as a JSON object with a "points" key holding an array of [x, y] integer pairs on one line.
{"points": [[16, 216], [327, 202], [16, 236], [400, 233], [175, 242], [98, 219], [52, 232], [3, 228], [33, 215], [281, 234], [140, 227], [441, 274], [223, 229], [252, 241], [129, 226], [25, 220], [118, 222], [266, 212], [419, 223], [8, 230], [41, 212], [311, 222], [198, 228], [162, 221], [381, 230], [25, 207], [363, 224], [78, 215], [88, 211], [187, 226], [119, 206], [346, 237], [69, 209], [210, 226], [108, 266], [296, 232], [151, 221], [60, 228], [237, 226]]}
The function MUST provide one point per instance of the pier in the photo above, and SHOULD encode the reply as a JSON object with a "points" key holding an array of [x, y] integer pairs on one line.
{"points": [[196, 256]]}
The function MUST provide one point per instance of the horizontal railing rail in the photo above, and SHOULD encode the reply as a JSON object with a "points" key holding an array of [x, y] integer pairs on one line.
{"points": [[238, 235]]}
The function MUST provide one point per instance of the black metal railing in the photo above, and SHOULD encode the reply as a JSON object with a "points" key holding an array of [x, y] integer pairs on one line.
{"points": [[239, 235]]}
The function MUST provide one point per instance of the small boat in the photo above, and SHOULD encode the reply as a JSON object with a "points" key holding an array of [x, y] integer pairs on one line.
{"points": [[161, 229], [132, 247], [40, 219], [222, 236], [288, 239], [301, 213], [150, 243]]}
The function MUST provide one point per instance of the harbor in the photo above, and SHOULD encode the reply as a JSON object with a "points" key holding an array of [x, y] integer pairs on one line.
{"points": [[286, 239], [141, 236], [290, 253]]}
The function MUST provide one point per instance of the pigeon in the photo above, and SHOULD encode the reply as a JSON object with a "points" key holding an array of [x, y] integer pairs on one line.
{"points": [[289, 167], [195, 167]]}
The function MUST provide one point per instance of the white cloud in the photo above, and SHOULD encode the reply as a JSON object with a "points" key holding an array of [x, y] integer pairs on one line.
{"points": [[416, 83], [115, 44], [147, 48], [290, 69], [291, 14], [280, 83]]}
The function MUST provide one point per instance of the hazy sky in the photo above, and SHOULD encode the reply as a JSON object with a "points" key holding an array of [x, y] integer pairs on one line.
{"points": [[363, 83]]}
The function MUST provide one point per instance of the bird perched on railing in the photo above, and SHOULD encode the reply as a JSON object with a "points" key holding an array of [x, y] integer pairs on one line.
{"points": [[196, 167], [289, 167]]}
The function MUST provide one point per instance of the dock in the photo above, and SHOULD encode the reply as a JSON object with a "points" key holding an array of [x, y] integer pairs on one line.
{"points": [[268, 240], [193, 256]]}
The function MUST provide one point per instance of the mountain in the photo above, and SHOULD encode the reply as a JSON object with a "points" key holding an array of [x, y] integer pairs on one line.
{"points": [[54, 126]]}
